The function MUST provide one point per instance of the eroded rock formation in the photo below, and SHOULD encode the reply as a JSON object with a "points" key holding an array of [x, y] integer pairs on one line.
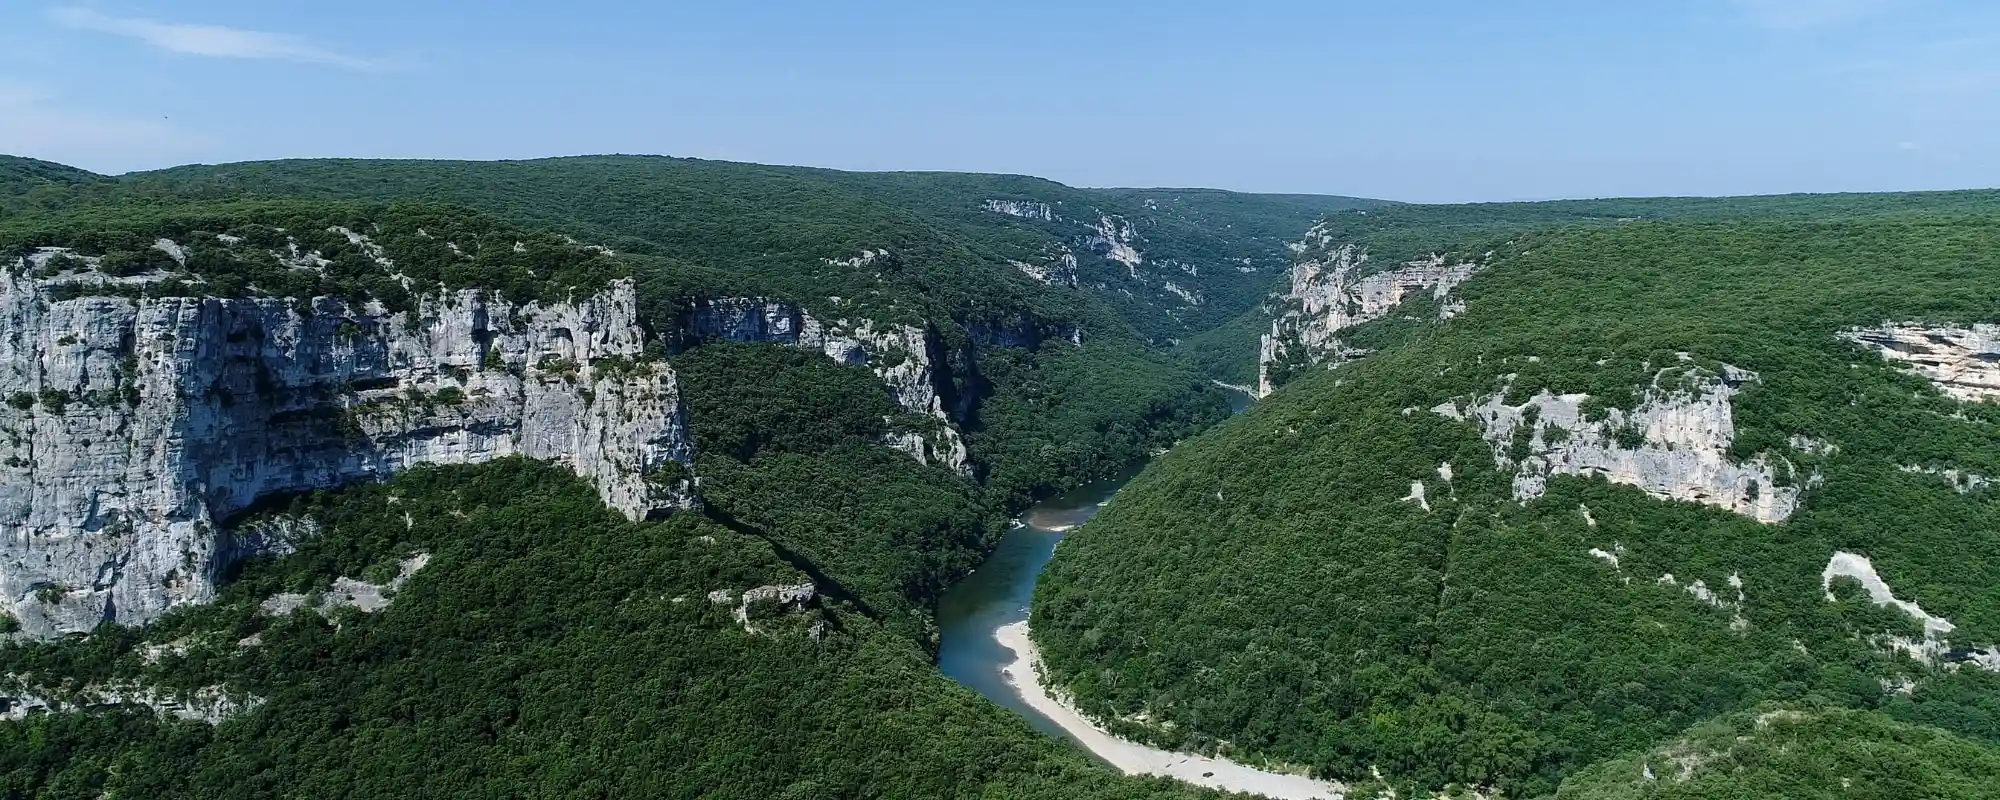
{"points": [[1674, 445], [1056, 268], [1964, 362], [1025, 209], [135, 426], [903, 356], [1333, 289], [1116, 239], [346, 592], [1935, 646], [210, 704]]}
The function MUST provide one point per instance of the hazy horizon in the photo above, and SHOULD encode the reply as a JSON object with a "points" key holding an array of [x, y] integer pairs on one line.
{"points": [[1160, 188], [1439, 101]]}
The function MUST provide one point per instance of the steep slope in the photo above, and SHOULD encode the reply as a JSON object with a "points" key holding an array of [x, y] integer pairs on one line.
{"points": [[546, 647], [177, 363], [148, 400], [754, 253], [1646, 477], [771, 491], [1368, 277], [1797, 754], [1171, 262]]}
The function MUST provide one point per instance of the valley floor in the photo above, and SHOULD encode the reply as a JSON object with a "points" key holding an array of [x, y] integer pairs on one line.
{"points": [[1137, 759]]}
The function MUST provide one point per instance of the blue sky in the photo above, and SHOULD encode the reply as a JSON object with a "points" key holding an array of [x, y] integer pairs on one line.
{"points": [[1424, 100]]}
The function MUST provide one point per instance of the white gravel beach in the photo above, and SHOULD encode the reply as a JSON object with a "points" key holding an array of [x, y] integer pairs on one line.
{"points": [[1138, 759]]}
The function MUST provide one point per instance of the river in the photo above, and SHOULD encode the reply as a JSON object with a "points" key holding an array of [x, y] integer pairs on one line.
{"points": [[984, 645]]}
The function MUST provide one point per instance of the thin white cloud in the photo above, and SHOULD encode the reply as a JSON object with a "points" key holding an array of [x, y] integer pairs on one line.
{"points": [[1794, 15], [36, 122], [212, 40]]}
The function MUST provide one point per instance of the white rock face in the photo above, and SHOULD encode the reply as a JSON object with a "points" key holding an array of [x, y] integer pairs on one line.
{"points": [[1934, 645], [210, 704], [133, 427], [901, 355], [1059, 269], [1418, 495], [1862, 570], [1964, 362], [865, 258], [1186, 296], [1116, 239], [1961, 482], [1675, 445], [1025, 209], [1332, 291], [790, 598], [349, 593]]}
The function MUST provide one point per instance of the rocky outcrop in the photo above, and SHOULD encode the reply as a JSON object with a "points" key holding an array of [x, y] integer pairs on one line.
{"points": [[1025, 209], [904, 356], [1961, 481], [1935, 646], [135, 426], [1116, 239], [360, 595], [1334, 289], [211, 704], [1058, 268], [796, 598], [1857, 568], [1675, 445], [1964, 362]]}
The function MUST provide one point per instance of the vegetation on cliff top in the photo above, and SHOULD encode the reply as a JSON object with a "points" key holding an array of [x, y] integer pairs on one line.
{"points": [[1305, 610], [792, 232], [298, 249]]}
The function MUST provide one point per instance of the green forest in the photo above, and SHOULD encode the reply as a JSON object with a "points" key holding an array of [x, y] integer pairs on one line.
{"points": [[264, 249], [771, 230], [522, 682], [1306, 612], [1806, 752], [549, 649], [1264, 590]]}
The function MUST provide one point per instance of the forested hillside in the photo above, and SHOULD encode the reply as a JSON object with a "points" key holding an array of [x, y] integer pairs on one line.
{"points": [[545, 648], [1803, 753], [1170, 262], [1642, 480], [1671, 471], [26, 182], [801, 448], [1391, 237]]}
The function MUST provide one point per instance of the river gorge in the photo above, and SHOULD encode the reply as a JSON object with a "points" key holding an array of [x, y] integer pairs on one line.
{"points": [[985, 646]]}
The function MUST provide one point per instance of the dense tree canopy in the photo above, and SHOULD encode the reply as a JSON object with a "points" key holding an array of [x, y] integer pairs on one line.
{"points": [[1267, 589], [1305, 610], [548, 649]]}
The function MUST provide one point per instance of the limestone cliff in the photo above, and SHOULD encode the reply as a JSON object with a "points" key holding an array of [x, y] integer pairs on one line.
{"points": [[1674, 445], [1333, 289], [1935, 646], [134, 426], [1114, 238], [1964, 362], [907, 359], [210, 704], [1056, 267]]}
